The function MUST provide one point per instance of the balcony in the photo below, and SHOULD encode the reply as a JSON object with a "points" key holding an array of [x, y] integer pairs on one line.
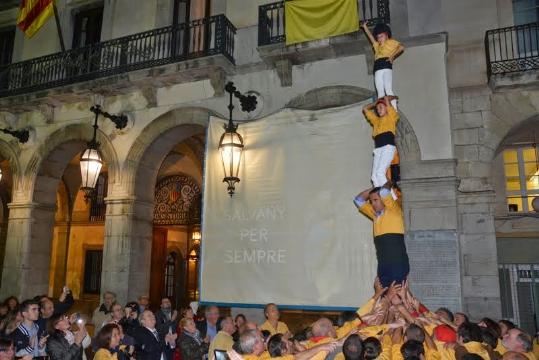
{"points": [[272, 38], [200, 45], [512, 55]]}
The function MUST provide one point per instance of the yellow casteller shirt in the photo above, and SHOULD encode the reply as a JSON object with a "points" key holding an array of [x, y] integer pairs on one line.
{"points": [[382, 124], [475, 347], [281, 328], [221, 341], [104, 354], [445, 353], [390, 221], [385, 50]]}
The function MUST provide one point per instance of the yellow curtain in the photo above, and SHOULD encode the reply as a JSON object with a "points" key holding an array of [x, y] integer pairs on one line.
{"points": [[33, 14], [318, 19]]}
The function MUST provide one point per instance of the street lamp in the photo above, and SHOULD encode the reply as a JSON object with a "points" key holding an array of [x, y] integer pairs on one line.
{"points": [[231, 143], [90, 160]]}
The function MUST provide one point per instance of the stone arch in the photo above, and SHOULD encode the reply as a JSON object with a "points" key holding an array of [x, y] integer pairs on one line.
{"points": [[513, 115], [524, 133], [30, 229], [170, 128], [52, 156], [129, 228], [342, 95]]}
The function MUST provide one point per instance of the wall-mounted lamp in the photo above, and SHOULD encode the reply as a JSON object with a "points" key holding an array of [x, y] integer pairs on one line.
{"points": [[231, 143], [90, 160]]}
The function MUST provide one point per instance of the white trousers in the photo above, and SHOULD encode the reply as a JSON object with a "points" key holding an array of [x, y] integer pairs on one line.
{"points": [[383, 156], [383, 80]]}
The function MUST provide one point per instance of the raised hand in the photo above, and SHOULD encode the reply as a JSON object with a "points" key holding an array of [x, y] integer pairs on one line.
{"points": [[393, 290], [379, 289]]}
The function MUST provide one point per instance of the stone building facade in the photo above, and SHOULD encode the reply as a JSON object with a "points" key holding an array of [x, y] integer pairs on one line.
{"points": [[457, 121]]}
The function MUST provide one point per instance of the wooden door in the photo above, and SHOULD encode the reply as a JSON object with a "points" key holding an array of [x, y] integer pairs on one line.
{"points": [[157, 272]]}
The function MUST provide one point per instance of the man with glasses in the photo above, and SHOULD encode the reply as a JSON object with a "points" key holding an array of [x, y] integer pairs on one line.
{"points": [[28, 338]]}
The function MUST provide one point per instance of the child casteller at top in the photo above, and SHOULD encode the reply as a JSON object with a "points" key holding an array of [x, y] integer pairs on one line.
{"points": [[386, 49]]}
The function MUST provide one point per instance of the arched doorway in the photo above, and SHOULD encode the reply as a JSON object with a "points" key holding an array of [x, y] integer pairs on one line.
{"points": [[172, 144], [32, 228], [176, 222]]}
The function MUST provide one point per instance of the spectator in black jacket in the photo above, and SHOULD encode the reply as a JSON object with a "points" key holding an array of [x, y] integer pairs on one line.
{"points": [[166, 318], [62, 343], [148, 344], [130, 322], [208, 326], [192, 345], [50, 308], [28, 337]]}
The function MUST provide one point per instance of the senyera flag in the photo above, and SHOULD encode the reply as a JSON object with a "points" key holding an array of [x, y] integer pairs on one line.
{"points": [[319, 19], [33, 14]]}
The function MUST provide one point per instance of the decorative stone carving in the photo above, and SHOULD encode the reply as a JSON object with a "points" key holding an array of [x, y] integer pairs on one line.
{"points": [[48, 112], [217, 81], [150, 94], [177, 201]]}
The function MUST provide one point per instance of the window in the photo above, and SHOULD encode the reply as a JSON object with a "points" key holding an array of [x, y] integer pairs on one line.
{"points": [[170, 271], [519, 288], [526, 12], [92, 271], [187, 10], [7, 38], [88, 27], [98, 208], [521, 177]]}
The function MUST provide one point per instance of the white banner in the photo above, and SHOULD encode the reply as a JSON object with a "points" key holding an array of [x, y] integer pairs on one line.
{"points": [[291, 233]]}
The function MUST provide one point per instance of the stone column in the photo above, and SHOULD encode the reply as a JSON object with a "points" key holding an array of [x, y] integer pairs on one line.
{"points": [[476, 133], [430, 209], [127, 248], [28, 247], [59, 262]]}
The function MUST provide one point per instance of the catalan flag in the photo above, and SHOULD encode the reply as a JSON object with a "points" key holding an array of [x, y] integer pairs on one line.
{"points": [[308, 20], [33, 14]]}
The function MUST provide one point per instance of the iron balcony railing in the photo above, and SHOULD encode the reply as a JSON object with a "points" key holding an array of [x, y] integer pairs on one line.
{"points": [[199, 38], [272, 23], [512, 49]]}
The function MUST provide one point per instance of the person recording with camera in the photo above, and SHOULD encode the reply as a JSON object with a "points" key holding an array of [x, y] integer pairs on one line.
{"points": [[63, 344]]}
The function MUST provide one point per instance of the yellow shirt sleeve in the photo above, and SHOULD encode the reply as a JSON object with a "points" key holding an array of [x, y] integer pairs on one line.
{"points": [[347, 327], [393, 114], [431, 354], [369, 305], [396, 352], [374, 330], [389, 202], [282, 328], [386, 348], [372, 117], [367, 210]]}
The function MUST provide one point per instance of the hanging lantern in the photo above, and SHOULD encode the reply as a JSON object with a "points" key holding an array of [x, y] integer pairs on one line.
{"points": [[231, 148], [90, 167]]}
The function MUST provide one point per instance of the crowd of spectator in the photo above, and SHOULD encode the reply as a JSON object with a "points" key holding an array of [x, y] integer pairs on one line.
{"points": [[392, 325]]}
